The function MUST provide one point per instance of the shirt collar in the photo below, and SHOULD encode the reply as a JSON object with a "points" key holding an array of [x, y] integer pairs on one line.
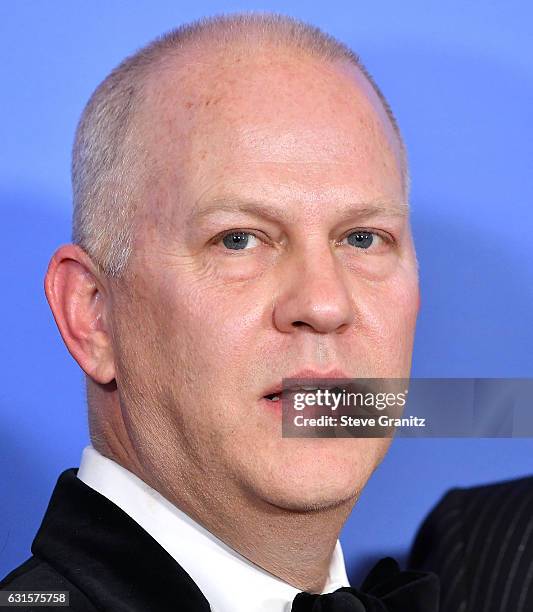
{"points": [[229, 581]]}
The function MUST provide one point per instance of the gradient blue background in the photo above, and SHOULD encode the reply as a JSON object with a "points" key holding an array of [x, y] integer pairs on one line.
{"points": [[459, 77]]}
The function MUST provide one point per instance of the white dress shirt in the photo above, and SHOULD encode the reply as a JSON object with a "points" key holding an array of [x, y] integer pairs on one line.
{"points": [[229, 581]]}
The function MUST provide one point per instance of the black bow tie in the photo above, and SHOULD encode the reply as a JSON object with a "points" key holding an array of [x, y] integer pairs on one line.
{"points": [[385, 589]]}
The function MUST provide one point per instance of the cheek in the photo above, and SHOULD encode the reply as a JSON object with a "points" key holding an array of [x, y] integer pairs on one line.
{"points": [[387, 316], [405, 296], [211, 327], [400, 321]]}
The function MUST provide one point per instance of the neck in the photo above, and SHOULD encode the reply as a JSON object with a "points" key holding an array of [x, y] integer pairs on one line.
{"points": [[295, 546]]}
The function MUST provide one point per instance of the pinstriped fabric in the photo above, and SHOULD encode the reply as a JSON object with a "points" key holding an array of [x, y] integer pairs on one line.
{"points": [[525, 589], [509, 516], [444, 525], [447, 596], [489, 545], [507, 593], [480, 543]]}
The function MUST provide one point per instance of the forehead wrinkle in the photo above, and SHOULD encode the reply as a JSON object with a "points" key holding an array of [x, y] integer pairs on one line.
{"points": [[276, 213], [254, 207]]}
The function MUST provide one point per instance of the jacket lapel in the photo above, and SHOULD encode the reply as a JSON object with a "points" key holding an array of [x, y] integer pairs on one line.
{"points": [[105, 553]]}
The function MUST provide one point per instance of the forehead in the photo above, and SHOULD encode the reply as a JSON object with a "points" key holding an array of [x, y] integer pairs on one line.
{"points": [[276, 121]]}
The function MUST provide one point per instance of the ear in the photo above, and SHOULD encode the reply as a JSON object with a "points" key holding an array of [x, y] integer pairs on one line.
{"points": [[78, 301]]}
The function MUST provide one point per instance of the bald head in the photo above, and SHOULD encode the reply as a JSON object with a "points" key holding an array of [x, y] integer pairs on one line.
{"points": [[158, 98]]}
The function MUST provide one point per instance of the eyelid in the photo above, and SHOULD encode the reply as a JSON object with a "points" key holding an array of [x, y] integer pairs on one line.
{"points": [[368, 230], [239, 230]]}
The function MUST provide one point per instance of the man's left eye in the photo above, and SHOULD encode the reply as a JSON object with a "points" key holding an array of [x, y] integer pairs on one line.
{"points": [[362, 239], [239, 240]]}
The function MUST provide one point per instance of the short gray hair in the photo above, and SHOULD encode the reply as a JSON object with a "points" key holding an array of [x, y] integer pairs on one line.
{"points": [[107, 150]]}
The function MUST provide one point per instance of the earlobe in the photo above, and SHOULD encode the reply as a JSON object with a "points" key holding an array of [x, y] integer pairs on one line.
{"points": [[77, 301]]}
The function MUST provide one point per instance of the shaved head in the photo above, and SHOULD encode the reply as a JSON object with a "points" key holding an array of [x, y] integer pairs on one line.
{"points": [[117, 152]]}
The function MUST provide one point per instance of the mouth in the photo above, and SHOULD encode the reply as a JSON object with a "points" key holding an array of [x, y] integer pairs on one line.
{"points": [[309, 381], [273, 397], [276, 396]]}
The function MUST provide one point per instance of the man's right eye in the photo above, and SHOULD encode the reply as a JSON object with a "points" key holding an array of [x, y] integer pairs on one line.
{"points": [[239, 240]]}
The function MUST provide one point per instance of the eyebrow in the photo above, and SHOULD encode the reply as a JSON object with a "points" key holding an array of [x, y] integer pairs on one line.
{"points": [[364, 210]]}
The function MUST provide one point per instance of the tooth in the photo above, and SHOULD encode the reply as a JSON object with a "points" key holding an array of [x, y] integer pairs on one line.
{"points": [[274, 398]]}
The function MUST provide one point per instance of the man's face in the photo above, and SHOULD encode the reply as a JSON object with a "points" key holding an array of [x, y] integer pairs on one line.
{"points": [[286, 158]]}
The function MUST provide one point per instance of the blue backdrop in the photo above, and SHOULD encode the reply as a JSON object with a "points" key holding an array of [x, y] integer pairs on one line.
{"points": [[459, 76]]}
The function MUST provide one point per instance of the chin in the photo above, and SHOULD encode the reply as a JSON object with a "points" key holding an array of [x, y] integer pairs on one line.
{"points": [[310, 475], [314, 501], [307, 490]]}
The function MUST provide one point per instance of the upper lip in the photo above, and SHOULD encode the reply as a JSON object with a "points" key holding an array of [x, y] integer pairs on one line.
{"points": [[305, 374]]}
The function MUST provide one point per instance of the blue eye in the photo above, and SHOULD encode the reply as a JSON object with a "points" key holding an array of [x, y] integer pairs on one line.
{"points": [[239, 240], [361, 239]]}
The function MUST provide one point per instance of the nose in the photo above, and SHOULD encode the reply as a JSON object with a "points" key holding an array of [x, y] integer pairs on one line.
{"points": [[314, 294]]}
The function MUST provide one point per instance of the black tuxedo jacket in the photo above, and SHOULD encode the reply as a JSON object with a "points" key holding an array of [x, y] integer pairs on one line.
{"points": [[480, 543], [90, 547]]}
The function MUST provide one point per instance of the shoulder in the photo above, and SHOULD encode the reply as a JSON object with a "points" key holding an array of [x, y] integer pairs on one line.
{"points": [[35, 574], [469, 512], [520, 487], [474, 504], [479, 540]]}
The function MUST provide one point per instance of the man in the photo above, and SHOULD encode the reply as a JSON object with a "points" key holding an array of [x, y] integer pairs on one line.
{"points": [[240, 217], [480, 543]]}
